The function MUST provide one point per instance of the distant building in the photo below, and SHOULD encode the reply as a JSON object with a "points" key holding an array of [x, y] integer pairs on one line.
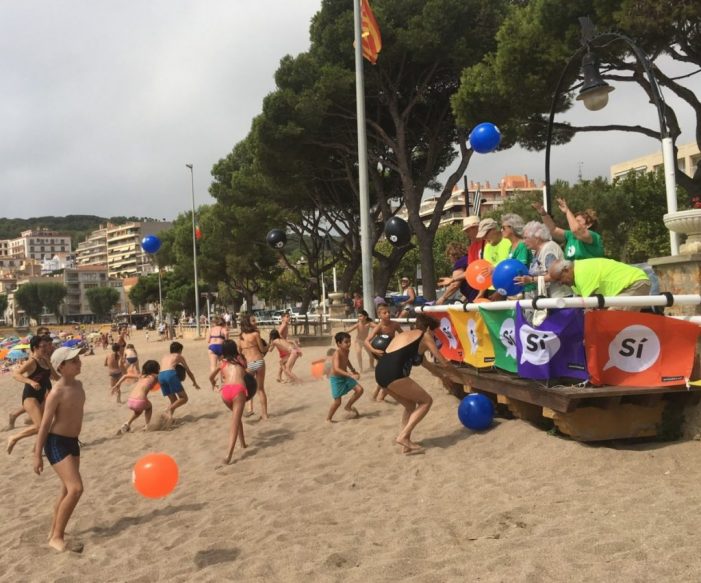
{"points": [[78, 281], [688, 157], [93, 251], [38, 244], [57, 263], [125, 257]]}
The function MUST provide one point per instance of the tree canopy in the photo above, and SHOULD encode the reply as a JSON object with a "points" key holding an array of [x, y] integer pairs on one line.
{"points": [[101, 301]]}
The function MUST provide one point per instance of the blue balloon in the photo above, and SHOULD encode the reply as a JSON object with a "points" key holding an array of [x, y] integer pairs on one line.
{"points": [[476, 412], [151, 244], [485, 138], [503, 276]]}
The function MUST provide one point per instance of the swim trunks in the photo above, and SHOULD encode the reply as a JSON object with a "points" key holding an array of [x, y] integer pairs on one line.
{"points": [[170, 383], [137, 405], [57, 447], [230, 392], [216, 349], [341, 386]]}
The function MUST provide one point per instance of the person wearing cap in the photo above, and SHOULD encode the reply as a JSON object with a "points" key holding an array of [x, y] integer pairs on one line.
{"points": [[408, 291], [457, 281], [58, 438], [496, 248]]}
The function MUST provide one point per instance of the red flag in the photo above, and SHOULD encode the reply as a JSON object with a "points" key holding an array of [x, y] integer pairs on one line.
{"points": [[371, 38], [638, 350], [198, 233], [446, 337]]}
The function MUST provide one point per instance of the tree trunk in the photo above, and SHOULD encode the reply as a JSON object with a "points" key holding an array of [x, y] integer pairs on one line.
{"points": [[386, 269]]}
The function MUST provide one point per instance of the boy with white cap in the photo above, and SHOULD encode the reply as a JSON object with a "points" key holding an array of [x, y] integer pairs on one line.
{"points": [[58, 438]]}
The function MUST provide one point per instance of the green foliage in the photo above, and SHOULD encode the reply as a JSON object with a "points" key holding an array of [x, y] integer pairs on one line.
{"points": [[145, 291], [3, 304], [27, 297], [101, 301], [51, 295]]}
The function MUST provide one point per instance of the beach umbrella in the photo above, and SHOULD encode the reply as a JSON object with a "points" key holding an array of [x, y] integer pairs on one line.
{"points": [[3, 353], [16, 355], [72, 342], [21, 347]]}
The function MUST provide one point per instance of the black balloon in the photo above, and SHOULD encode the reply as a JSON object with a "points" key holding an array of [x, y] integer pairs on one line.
{"points": [[181, 371], [251, 385], [398, 232], [276, 238], [381, 342]]}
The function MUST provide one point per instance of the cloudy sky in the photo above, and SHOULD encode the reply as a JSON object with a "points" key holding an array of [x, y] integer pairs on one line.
{"points": [[103, 103]]}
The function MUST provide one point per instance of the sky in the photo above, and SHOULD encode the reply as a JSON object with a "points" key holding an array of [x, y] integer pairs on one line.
{"points": [[104, 103]]}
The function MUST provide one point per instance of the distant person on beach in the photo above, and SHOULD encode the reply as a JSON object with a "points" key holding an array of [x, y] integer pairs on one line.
{"points": [[410, 293], [343, 382], [284, 330], [253, 349], [36, 375], [363, 327], [171, 385], [138, 401], [289, 353], [393, 370], [58, 439], [218, 333], [233, 392], [386, 329], [113, 362]]}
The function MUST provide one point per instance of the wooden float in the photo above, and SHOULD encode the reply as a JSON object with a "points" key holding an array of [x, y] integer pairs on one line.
{"points": [[584, 414]]}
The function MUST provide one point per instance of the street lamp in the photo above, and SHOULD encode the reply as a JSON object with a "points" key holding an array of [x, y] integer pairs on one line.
{"points": [[594, 95], [194, 251]]}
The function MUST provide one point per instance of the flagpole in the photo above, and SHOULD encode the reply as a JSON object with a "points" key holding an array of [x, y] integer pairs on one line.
{"points": [[365, 242], [194, 250]]}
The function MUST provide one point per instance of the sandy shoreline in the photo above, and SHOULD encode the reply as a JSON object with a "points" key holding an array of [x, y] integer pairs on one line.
{"points": [[308, 501]]}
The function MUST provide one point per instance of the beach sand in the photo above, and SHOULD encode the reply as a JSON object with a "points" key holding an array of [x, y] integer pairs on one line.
{"points": [[308, 501]]}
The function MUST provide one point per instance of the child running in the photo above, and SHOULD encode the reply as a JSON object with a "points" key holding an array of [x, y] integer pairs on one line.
{"points": [[233, 391], [342, 381], [113, 362], [386, 329], [171, 386], [289, 353], [364, 325], [138, 398], [58, 438]]}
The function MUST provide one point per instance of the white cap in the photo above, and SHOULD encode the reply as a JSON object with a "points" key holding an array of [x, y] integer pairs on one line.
{"points": [[64, 353]]}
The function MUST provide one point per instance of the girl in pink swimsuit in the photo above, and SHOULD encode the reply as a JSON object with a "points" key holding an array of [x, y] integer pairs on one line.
{"points": [[233, 391], [289, 353], [138, 401]]}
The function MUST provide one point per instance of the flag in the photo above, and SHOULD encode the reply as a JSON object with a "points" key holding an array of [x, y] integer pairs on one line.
{"points": [[638, 350], [446, 337], [371, 38], [473, 335], [554, 349], [198, 232], [502, 329]]}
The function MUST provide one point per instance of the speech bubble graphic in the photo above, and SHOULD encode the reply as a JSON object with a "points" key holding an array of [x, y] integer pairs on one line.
{"points": [[538, 346], [507, 335], [472, 335], [447, 330], [634, 349]]}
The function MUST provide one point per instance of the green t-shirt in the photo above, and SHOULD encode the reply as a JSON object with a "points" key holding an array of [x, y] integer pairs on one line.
{"points": [[576, 249], [604, 276], [522, 253], [497, 253]]}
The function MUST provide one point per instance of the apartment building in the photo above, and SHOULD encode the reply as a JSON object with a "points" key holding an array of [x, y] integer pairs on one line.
{"points": [[78, 281], [125, 257], [93, 251], [38, 244], [688, 159]]}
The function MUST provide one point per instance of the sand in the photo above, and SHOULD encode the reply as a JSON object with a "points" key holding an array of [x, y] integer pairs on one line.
{"points": [[312, 502]]}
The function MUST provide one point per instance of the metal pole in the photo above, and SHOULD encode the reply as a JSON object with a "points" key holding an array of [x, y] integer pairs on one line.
{"points": [[365, 242], [194, 251], [160, 297]]}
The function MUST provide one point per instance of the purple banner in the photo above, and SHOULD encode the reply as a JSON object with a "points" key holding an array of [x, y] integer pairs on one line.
{"points": [[553, 349]]}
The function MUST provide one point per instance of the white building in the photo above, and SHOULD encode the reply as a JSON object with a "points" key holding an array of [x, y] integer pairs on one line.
{"points": [[93, 251], [38, 244], [56, 263], [688, 159], [125, 257]]}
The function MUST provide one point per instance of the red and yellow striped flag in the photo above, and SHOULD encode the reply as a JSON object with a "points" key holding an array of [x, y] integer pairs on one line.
{"points": [[372, 40]]}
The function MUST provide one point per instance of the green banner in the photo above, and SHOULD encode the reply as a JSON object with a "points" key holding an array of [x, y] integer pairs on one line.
{"points": [[502, 329]]}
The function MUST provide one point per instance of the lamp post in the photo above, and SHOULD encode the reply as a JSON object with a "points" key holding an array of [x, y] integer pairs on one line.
{"points": [[594, 95], [194, 251]]}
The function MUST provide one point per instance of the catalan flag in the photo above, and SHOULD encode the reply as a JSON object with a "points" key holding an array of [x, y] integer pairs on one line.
{"points": [[372, 40]]}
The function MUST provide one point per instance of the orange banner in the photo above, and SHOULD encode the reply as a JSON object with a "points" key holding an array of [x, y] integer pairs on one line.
{"points": [[371, 38], [447, 337]]}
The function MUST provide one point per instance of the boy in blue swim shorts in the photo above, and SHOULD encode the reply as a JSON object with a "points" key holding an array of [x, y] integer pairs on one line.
{"points": [[168, 378], [343, 382]]}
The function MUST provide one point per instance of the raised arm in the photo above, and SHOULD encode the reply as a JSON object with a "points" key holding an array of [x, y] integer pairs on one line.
{"points": [[578, 230], [557, 233]]}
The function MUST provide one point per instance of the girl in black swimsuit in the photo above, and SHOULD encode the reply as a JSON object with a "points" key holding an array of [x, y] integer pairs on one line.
{"points": [[393, 370], [36, 374]]}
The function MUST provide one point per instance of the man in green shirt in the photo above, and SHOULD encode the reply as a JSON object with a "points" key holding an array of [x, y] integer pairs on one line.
{"points": [[496, 249], [601, 276]]}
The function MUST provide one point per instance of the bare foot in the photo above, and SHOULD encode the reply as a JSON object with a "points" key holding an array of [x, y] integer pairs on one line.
{"points": [[226, 461], [123, 429], [61, 545], [352, 413], [330, 421], [244, 445], [11, 442], [408, 446], [247, 413]]}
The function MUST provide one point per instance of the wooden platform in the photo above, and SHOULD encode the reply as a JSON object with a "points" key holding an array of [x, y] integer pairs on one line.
{"points": [[585, 414]]}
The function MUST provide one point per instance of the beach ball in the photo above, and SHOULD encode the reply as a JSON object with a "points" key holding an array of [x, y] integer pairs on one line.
{"points": [[151, 244], [318, 368], [276, 238], [476, 412], [251, 385], [398, 232], [155, 475], [503, 276], [381, 342], [479, 274], [181, 371], [156, 387], [485, 138]]}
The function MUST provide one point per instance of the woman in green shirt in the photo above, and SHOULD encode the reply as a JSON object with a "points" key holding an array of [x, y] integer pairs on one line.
{"points": [[512, 229]]}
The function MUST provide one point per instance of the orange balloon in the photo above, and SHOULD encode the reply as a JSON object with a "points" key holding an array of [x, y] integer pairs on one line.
{"points": [[156, 387], [318, 368], [155, 475], [479, 274]]}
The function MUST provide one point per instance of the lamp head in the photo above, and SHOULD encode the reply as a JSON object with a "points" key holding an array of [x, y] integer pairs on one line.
{"points": [[595, 91]]}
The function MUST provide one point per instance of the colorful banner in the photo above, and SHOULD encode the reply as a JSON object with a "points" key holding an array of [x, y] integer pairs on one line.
{"points": [[474, 337], [502, 329], [641, 350], [555, 349], [446, 337], [371, 37]]}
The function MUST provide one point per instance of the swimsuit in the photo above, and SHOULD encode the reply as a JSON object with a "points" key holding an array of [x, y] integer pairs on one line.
{"points": [[216, 348], [132, 359], [137, 405], [255, 365], [42, 376], [341, 386], [230, 392], [170, 383], [57, 447], [116, 375], [396, 364]]}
